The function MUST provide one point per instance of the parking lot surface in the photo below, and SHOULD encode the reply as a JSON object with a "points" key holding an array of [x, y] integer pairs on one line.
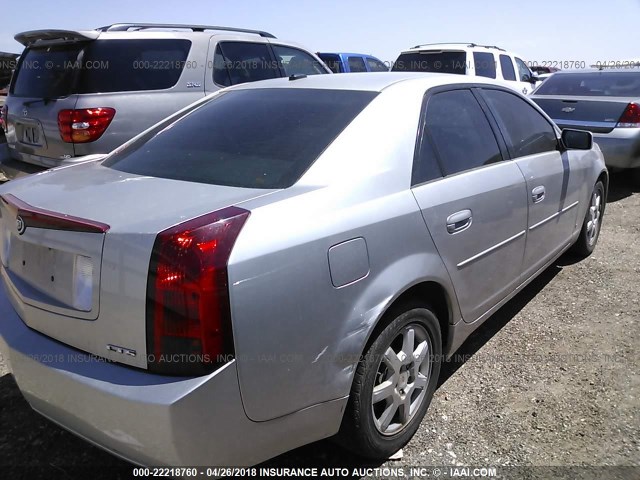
{"points": [[551, 379]]}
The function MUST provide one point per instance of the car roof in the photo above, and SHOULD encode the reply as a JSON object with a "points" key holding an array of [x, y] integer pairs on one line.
{"points": [[372, 81], [347, 54], [454, 46], [599, 70]]}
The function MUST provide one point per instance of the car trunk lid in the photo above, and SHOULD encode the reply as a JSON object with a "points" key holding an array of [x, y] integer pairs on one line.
{"points": [[596, 114], [76, 243]]}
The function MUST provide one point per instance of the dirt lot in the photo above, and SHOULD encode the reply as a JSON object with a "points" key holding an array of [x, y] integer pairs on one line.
{"points": [[551, 379]]}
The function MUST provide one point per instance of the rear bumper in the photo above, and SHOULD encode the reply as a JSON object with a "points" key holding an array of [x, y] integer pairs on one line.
{"points": [[621, 147], [150, 419]]}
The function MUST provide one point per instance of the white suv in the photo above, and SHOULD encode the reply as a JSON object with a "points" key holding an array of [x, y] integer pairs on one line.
{"points": [[468, 59]]}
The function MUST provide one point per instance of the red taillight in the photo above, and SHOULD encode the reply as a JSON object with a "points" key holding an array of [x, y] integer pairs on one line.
{"points": [[84, 125], [631, 117], [4, 113], [188, 312]]}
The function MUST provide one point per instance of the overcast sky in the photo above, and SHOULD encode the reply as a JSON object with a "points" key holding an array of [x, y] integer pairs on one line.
{"points": [[539, 30]]}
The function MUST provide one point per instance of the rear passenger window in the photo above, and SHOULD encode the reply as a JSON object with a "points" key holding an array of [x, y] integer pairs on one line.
{"points": [[526, 131], [523, 71], [425, 166], [460, 131], [485, 64], [241, 62], [508, 73], [376, 65], [356, 64], [297, 62]]}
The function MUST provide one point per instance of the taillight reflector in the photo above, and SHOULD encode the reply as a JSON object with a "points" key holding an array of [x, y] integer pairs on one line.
{"points": [[84, 125], [631, 117], [188, 310]]}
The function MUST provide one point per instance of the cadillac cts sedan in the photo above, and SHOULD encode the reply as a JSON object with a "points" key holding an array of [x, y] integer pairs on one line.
{"points": [[284, 261]]}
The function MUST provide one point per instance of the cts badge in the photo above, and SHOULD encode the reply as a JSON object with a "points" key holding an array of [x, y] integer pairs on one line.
{"points": [[20, 225], [568, 109]]}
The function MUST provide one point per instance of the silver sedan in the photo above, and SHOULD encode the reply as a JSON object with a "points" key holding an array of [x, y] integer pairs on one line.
{"points": [[284, 261], [604, 102]]}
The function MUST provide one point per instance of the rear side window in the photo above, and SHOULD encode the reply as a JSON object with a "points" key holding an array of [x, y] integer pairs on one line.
{"points": [[241, 62], [252, 138], [432, 61], [485, 64], [101, 66], [460, 132], [508, 73], [356, 64], [527, 132], [523, 70], [376, 65], [333, 62], [297, 62]]}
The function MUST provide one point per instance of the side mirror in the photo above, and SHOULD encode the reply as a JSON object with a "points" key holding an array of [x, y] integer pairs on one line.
{"points": [[577, 139], [533, 79]]}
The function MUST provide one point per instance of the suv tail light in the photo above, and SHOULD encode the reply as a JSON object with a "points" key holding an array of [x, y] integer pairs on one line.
{"points": [[84, 125], [4, 113], [631, 117], [188, 311]]}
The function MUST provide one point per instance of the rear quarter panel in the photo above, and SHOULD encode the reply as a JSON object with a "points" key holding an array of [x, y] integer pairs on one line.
{"points": [[297, 337]]}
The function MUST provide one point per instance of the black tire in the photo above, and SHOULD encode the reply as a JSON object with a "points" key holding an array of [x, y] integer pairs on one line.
{"points": [[358, 431], [587, 240]]}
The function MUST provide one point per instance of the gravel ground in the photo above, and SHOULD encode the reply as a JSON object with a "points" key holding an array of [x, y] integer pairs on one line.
{"points": [[550, 380]]}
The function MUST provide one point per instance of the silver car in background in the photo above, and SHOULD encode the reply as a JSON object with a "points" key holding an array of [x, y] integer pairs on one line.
{"points": [[604, 102], [85, 92], [284, 261]]}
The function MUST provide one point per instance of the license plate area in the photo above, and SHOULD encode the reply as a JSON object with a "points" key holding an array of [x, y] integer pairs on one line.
{"points": [[31, 134], [55, 279]]}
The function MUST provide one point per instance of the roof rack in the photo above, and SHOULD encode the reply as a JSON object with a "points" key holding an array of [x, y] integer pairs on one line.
{"points": [[468, 44], [125, 27]]}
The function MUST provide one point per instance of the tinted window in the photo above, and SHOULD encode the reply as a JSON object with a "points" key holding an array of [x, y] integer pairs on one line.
{"points": [[526, 131], [508, 73], [485, 64], [132, 65], [297, 62], [241, 62], [356, 64], [606, 84], [523, 71], [376, 65], [35, 77], [332, 61], [251, 138], [425, 165], [460, 132], [432, 61], [101, 66]]}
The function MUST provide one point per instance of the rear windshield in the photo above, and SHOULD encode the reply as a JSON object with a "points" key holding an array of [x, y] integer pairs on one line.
{"points": [[101, 66], [432, 61], [595, 84], [257, 138]]}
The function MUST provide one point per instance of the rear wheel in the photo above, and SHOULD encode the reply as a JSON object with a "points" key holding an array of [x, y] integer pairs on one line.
{"points": [[393, 385], [590, 232]]}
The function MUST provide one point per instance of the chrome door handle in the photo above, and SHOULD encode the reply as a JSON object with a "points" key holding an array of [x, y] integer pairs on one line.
{"points": [[537, 194], [459, 221]]}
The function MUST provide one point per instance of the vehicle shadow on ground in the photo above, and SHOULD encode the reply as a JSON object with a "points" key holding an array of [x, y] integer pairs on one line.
{"points": [[621, 186], [33, 446]]}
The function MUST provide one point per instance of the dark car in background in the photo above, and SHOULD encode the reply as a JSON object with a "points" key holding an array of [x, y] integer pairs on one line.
{"points": [[604, 102]]}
